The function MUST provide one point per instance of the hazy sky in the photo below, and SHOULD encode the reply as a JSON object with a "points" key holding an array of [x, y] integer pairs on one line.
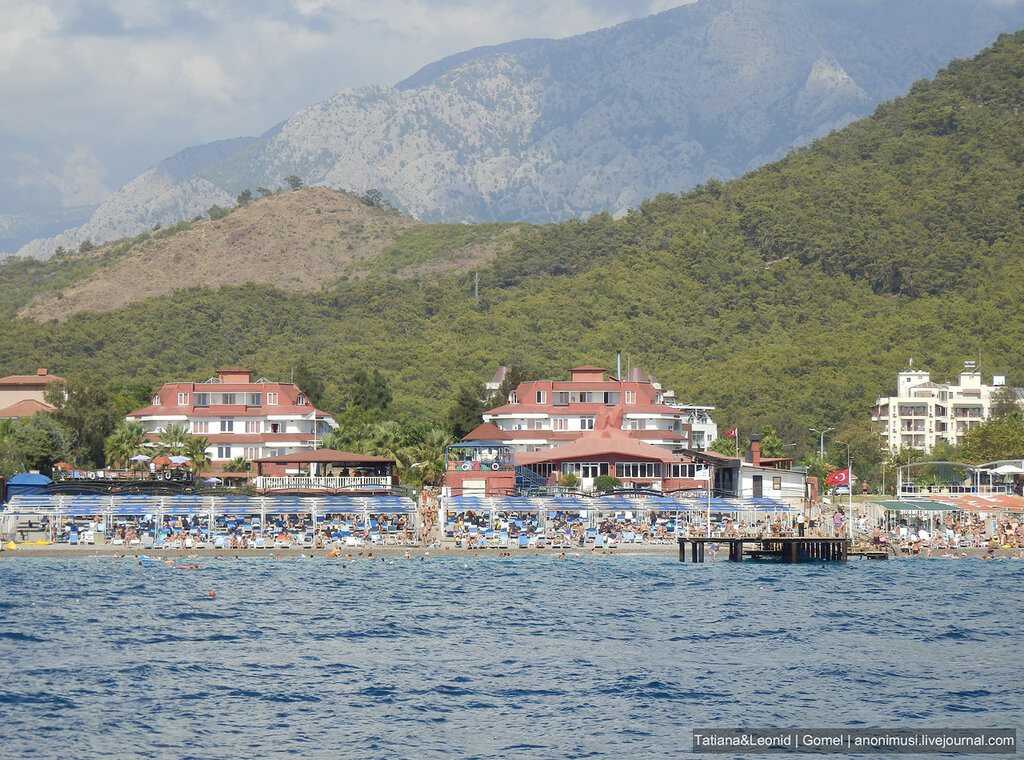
{"points": [[92, 92]]}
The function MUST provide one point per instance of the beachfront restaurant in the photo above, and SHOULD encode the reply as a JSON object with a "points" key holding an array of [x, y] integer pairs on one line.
{"points": [[325, 470]]}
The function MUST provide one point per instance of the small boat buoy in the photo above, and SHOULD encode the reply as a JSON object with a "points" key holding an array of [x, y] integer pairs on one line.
{"points": [[213, 593]]}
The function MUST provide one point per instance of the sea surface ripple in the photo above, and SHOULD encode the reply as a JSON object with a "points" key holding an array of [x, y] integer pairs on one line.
{"points": [[529, 657]]}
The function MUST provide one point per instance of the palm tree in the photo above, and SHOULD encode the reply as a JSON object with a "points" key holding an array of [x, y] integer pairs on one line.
{"points": [[238, 464], [195, 448], [172, 438], [429, 455], [124, 443], [387, 439]]}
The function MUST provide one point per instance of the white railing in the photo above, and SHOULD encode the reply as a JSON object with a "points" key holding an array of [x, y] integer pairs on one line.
{"points": [[328, 484], [914, 489]]}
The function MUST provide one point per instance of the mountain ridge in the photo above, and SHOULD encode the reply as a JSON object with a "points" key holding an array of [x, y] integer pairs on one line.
{"points": [[543, 130], [790, 296]]}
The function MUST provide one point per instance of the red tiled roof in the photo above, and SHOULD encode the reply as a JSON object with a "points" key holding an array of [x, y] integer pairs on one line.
{"points": [[597, 443], [29, 379], [236, 411], [24, 408], [488, 431], [577, 409]]}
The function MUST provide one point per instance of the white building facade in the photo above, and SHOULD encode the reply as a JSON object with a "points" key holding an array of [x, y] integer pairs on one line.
{"points": [[924, 412], [239, 417], [545, 414]]}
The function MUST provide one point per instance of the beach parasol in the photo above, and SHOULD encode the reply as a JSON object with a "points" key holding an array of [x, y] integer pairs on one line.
{"points": [[161, 460], [178, 459], [139, 458], [63, 466]]}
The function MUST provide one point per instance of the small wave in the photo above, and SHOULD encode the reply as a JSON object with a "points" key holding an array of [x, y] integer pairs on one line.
{"points": [[18, 636]]}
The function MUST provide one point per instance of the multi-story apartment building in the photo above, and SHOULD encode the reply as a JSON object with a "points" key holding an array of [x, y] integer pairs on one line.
{"points": [[239, 417], [924, 412]]}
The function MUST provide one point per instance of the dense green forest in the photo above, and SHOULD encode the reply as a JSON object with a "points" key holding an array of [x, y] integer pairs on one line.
{"points": [[790, 297]]}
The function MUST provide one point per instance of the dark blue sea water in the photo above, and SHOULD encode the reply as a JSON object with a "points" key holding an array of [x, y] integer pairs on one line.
{"points": [[492, 658]]}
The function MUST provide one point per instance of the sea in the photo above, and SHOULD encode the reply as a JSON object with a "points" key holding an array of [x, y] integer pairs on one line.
{"points": [[524, 657]]}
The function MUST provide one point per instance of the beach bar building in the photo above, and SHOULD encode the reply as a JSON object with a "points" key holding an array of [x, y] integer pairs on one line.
{"points": [[325, 470]]}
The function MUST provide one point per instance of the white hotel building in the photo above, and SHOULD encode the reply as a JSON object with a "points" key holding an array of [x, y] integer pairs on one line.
{"points": [[239, 417], [924, 412]]}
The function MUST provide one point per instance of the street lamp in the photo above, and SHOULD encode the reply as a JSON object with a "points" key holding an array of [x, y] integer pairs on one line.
{"points": [[821, 442]]}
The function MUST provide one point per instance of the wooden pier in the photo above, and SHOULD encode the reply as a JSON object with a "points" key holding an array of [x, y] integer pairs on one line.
{"points": [[786, 549]]}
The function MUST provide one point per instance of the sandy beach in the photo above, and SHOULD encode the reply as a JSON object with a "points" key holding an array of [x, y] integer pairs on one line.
{"points": [[66, 551]]}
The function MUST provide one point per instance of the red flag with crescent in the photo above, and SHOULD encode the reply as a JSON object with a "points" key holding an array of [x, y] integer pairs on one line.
{"points": [[838, 478]]}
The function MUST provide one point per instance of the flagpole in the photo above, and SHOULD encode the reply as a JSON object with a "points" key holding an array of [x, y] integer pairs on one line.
{"points": [[711, 479], [849, 478]]}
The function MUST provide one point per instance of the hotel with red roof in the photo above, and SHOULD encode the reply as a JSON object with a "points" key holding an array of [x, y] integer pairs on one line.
{"points": [[239, 417], [592, 426]]}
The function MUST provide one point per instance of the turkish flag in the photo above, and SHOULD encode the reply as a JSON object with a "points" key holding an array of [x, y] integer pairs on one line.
{"points": [[838, 478], [731, 433]]}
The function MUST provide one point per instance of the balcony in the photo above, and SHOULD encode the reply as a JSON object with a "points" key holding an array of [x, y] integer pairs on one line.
{"points": [[312, 483]]}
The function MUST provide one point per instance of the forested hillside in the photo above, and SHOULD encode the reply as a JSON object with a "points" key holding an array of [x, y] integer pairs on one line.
{"points": [[792, 295]]}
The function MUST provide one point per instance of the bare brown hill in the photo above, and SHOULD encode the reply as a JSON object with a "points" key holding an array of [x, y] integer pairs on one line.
{"points": [[294, 240]]}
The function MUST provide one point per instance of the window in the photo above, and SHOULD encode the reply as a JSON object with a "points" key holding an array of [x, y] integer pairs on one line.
{"points": [[513, 398], [253, 426], [276, 452], [200, 426], [275, 427], [300, 400], [632, 424], [252, 452], [542, 397], [223, 452], [560, 423], [271, 399], [254, 399], [228, 399], [227, 426], [592, 469], [611, 398], [155, 401], [680, 470], [201, 399], [182, 399], [638, 469], [630, 397], [587, 423], [560, 398]]}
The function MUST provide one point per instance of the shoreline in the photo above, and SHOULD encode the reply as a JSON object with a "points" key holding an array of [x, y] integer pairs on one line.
{"points": [[64, 551]]}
